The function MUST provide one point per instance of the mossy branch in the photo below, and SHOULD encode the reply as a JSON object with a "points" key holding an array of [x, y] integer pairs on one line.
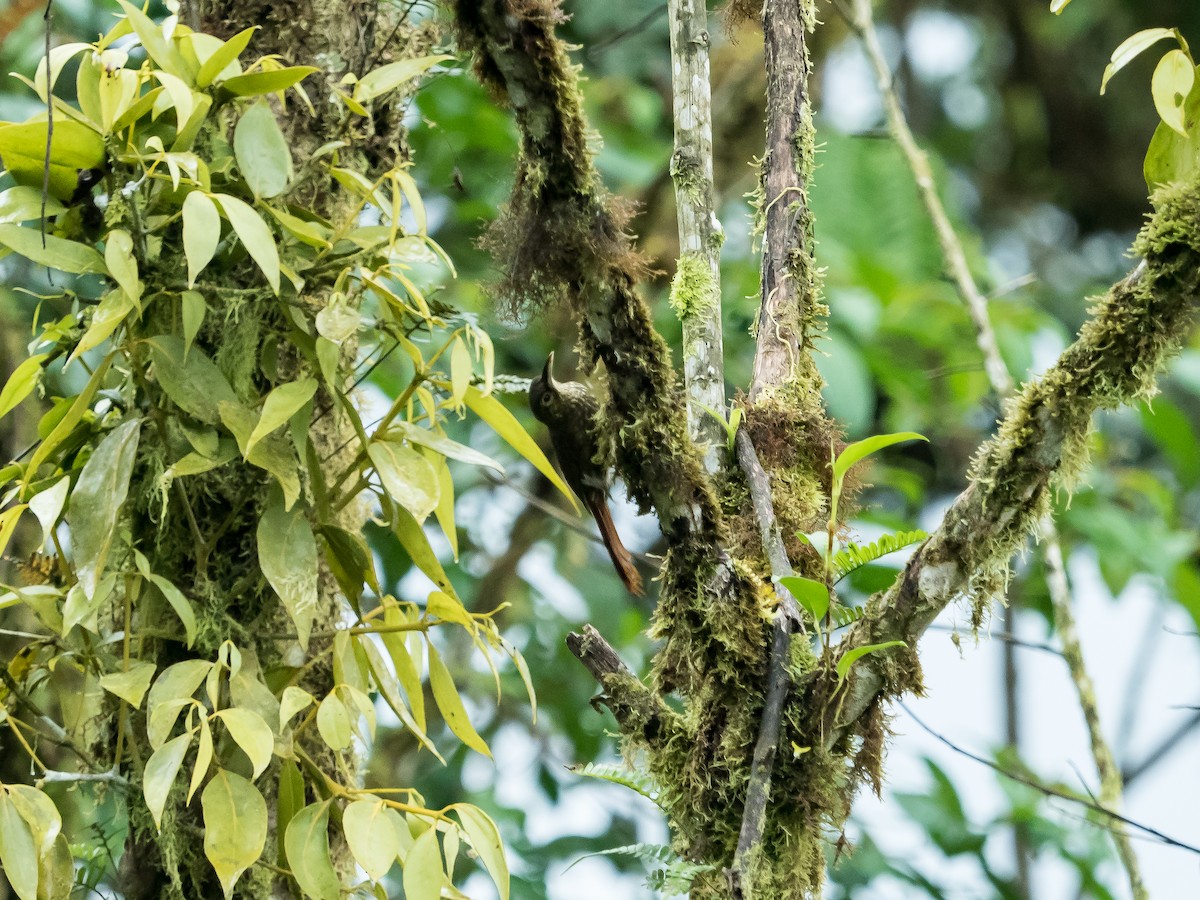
{"points": [[562, 239], [1041, 444]]}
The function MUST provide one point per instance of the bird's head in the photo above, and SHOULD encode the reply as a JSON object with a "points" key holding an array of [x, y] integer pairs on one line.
{"points": [[545, 394]]}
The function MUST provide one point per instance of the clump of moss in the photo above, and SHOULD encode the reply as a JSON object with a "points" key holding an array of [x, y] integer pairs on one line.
{"points": [[693, 290]]}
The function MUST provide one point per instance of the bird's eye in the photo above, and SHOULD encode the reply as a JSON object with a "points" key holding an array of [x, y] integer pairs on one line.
{"points": [[545, 400]]}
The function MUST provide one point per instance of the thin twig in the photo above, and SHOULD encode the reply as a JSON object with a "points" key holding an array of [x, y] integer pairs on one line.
{"points": [[1051, 791], [1165, 746]]}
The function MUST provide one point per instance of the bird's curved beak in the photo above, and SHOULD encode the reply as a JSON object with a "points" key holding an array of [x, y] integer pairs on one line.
{"points": [[548, 373]]}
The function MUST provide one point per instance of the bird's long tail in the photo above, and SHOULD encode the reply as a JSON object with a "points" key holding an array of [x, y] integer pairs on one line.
{"points": [[621, 559]]}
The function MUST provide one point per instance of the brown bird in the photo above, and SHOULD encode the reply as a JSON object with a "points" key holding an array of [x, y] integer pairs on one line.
{"points": [[569, 411]]}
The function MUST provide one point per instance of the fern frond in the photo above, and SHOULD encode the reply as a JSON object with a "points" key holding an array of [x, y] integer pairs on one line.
{"points": [[847, 615], [617, 774], [669, 873], [857, 555]]}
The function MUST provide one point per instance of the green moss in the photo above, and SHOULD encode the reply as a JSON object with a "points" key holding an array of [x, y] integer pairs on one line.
{"points": [[693, 289]]}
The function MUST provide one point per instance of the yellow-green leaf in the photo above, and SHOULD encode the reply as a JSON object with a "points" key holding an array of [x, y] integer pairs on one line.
{"points": [[204, 756], [307, 842], [151, 37], [1130, 48], [484, 836], [118, 256], [159, 776], [172, 690], [407, 476], [267, 82], [370, 836], [287, 554], [179, 603], [281, 404], [1172, 82], [235, 826], [333, 721], [113, 309], [262, 151], [201, 232], [18, 852], [442, 444], [224, 57], [850, 657], [130, 686], [58, 253], [96, 502], [387, 78], [445, 693], [252, 734], [73, 147], [423, 875], [21, 383], [506, 425], [859, 450], [254, 234]]}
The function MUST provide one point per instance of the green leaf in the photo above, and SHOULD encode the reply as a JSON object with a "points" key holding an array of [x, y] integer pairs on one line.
{"points": [[23, 204], [235, 826], [443, 445], [56, 871], [48, 504], [860, 450], [213, 67], [850, 657], [485, 839], [423, 875], [407, 476], [252, 734], [445, 693], [194, 307], [445, 507], [172, 690], [18, 852], [114, 308], [8, 524], [161, 771], [294, 700], [333, 722], [59, 253], [287, 554], [262, 152], [1129, 50], [281, 404], [74, 146], [387, 689], [307, 843], [416, 545], [273, 453], [201, 232], [66, 425], [21, 383], [122, 266], [254, 234], [1172, 82], [193, 381], [96, 501], [506, 425], [291, 801], [204, 756], [388, 78], [371, 837], [258, 83], [130, 686], [810, 594]]}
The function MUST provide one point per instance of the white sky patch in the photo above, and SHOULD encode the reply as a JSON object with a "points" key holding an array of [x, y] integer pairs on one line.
{"points": [[850, 99]]}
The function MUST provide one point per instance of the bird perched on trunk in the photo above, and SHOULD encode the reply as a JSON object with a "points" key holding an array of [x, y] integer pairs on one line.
{"points": [[569, 410]]}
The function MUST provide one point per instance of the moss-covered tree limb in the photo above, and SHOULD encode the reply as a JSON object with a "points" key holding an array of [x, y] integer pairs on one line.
{"points": [[1041, 444], [696, 289], [561, 239]]}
